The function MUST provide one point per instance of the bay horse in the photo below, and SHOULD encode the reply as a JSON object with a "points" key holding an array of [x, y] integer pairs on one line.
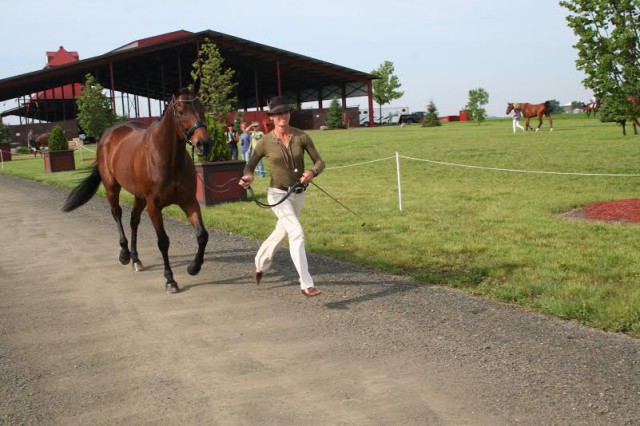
{"points": [[41, 141], [152, 163], [593, 107], [635, 102], [532, 110]]}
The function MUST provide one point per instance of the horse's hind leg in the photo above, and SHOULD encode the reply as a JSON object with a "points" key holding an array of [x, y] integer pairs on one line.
{"points": [[155, 214], [138, 206], [194, 215], [113, 195]]}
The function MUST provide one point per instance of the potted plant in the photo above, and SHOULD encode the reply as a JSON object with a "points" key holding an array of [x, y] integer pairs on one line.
{"points": [[217, 175], [59, 158]]}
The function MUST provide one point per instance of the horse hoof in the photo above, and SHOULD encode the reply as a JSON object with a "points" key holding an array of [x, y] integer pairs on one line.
{"points": [[137, 266], [173, 288], [124, 259], [193, 269]]}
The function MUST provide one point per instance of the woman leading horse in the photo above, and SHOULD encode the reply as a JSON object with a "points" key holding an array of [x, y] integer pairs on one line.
{"points": [[533, 110], [151, 162]]}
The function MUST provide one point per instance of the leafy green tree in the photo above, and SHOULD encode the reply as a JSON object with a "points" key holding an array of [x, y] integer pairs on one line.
{"points": [[385, 86], [555, 106], [431, 118], [5, 134], [608, 48], [214, 83], [576, 105], [215, 87], [477, 99], [334, 115], [95, 114]]}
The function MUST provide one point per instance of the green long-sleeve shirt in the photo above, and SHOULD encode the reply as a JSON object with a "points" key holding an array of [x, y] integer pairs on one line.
{"points": [[284, 160]]}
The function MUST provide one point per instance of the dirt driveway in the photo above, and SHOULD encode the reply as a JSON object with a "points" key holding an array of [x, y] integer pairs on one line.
{"points": [[84, 340]]}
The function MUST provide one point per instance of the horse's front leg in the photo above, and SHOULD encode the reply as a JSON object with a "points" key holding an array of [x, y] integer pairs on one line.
{"points": [[194, 215], [527, 126], [539, 122], [138, 206], [550, 122], [155, 214]]}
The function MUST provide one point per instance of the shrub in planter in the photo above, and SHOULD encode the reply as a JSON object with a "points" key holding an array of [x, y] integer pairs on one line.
{"points": [[219, 151], [58, 158], [57, 140]]}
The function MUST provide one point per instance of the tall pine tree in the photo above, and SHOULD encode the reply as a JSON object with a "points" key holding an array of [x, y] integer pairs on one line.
{"points": [[431, 118], [334, 115]]}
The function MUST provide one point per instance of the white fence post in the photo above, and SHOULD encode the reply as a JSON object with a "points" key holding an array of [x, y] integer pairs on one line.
{"points": [[399, 185]]}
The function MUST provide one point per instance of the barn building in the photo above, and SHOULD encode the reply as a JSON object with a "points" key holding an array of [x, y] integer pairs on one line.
{"points": [[141, 76]]}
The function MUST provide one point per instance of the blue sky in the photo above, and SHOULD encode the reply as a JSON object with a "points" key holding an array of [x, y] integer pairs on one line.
{"points": [[518, 51]]}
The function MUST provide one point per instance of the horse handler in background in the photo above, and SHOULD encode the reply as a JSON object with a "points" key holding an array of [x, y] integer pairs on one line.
{"points": [[516, 118], [284, 149]]}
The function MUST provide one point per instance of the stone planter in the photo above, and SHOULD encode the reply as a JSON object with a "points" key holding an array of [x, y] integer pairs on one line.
{"points": [[6, 151], [218, 182], [59, 161]]}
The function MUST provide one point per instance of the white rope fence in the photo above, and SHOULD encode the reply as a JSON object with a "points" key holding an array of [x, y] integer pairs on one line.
{"points": [[468, 166]]}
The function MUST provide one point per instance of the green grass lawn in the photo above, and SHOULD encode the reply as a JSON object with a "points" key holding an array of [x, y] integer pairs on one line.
{"points": [[495, 233]]}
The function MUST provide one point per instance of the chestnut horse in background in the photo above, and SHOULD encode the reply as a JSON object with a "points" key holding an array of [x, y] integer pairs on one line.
{"points": [[635, 102], [593, 107], [532, 110], [151, 162], [42, 141]]}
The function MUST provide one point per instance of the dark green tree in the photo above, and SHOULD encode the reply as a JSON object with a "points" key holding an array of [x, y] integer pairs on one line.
{"points": [[215, 87], [431, 118], [5, 134], [576, 105], [95, 114], [334, 115], [555, 106], [214, 82], [385, 86], [608, 48], [477, 99]]}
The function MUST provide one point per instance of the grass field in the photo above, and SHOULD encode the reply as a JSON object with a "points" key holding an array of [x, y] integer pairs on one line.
{"points": [[494, 233]]}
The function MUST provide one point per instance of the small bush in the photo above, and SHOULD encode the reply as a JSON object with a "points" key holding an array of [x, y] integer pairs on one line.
{"points": [[57, 140]]}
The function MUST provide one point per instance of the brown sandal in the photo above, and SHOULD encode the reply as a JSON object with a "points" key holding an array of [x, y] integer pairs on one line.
{"points": [[311, 291]]}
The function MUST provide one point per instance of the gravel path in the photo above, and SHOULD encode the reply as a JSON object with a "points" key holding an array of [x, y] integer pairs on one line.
{"points": [[84, 340]]}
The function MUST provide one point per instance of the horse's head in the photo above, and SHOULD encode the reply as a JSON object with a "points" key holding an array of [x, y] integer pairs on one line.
{"points": [[509, 108], [189, 118]]}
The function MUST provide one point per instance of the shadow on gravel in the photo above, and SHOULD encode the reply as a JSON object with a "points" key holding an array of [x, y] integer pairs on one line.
{"points": [[390, 291]]}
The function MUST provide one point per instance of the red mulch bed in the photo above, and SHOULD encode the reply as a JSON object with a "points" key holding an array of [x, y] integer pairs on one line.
{"points": [[610, 211]]}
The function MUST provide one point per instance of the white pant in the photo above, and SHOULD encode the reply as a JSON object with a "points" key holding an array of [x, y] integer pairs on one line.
{"points": [[288, 225], [516, 124]]}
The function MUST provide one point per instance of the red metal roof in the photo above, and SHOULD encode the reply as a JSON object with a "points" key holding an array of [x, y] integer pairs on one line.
{"points": [[61, 57]]}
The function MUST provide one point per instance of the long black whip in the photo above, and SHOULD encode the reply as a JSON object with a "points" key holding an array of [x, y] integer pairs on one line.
{"points": [[334, 199]]}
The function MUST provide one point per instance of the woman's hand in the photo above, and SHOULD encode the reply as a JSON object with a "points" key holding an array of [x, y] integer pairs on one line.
{"points": [[307, 176], [245, 181]]}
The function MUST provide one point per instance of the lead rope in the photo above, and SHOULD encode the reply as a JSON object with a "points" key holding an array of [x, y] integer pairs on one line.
{"points": [[282, 200]]}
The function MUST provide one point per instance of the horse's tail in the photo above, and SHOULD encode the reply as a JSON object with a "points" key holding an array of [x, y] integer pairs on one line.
{"points": [[547, 107], [84, 191]]}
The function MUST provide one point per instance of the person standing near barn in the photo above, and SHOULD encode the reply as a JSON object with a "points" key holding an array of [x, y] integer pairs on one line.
{"points": [[31, 142], [284, 148], [517, 113], [232, 142]]}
